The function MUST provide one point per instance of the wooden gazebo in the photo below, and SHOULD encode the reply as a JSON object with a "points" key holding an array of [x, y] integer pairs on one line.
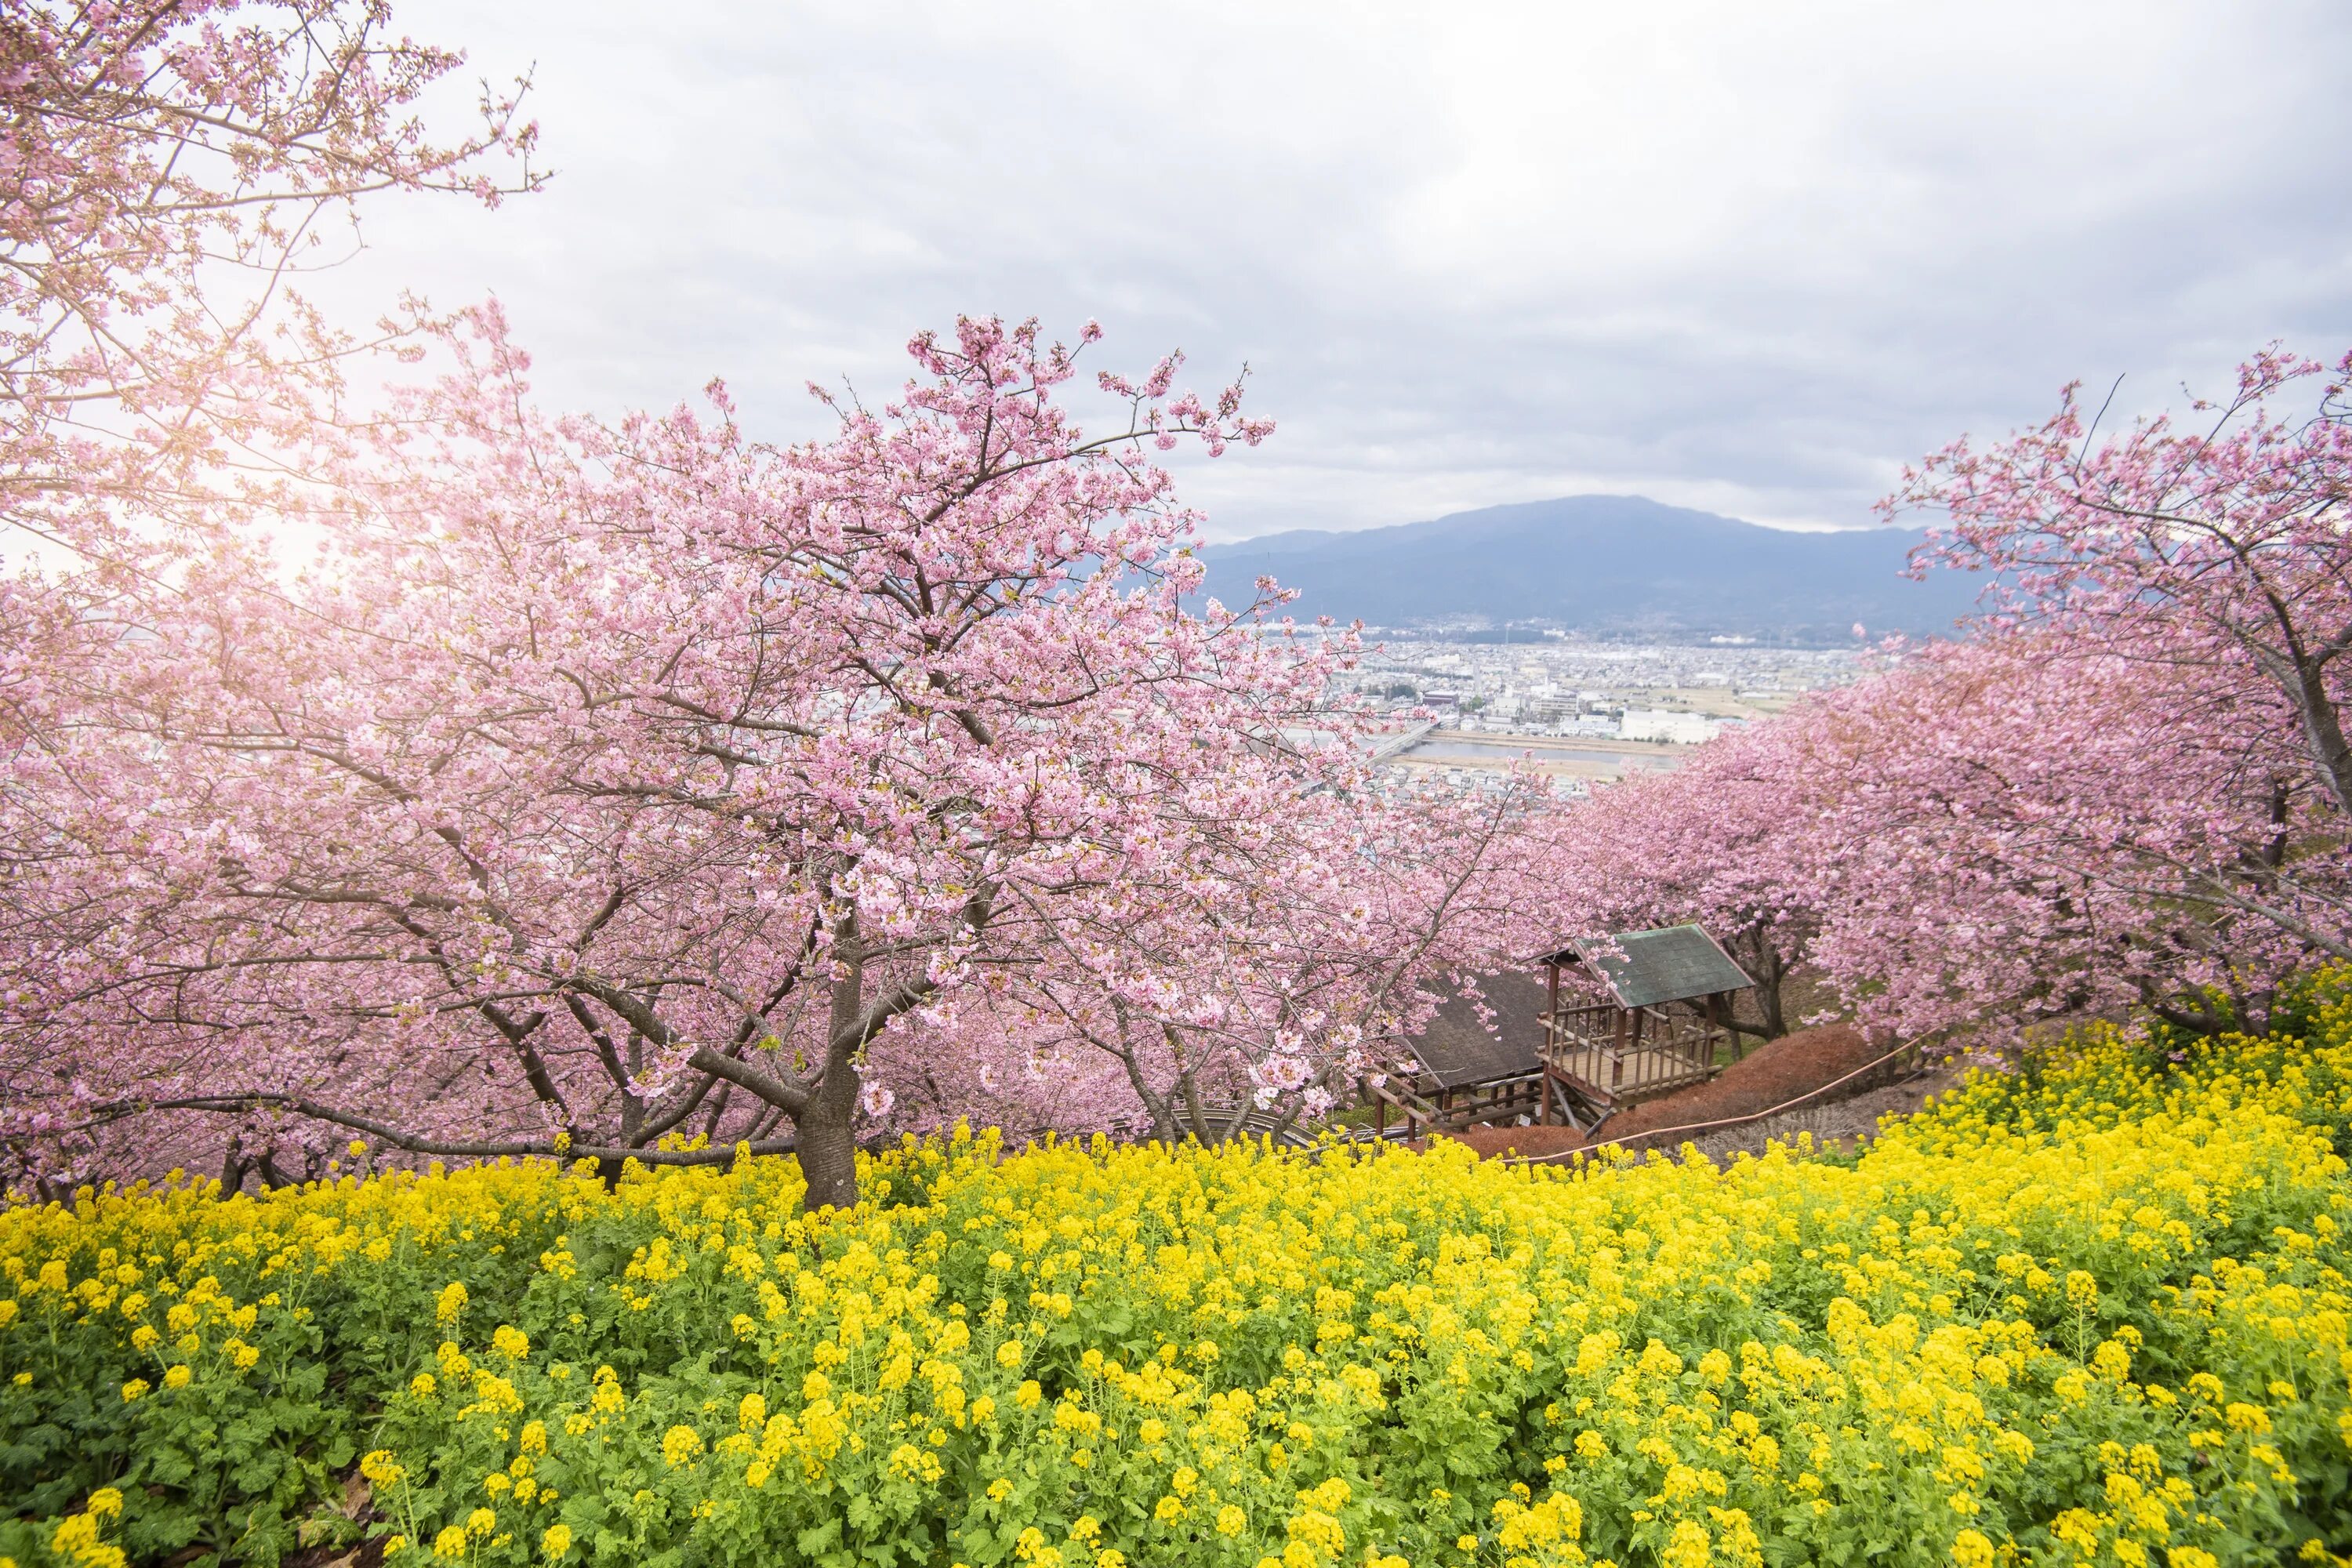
{"points": [[1470, 1064], [1658, 1024]]}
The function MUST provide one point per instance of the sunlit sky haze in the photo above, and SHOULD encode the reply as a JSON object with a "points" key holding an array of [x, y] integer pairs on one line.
{"points": [[1748, 259]]}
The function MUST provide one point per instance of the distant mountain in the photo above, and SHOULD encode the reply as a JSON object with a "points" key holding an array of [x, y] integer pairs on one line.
{"points": [[1608, 564]]}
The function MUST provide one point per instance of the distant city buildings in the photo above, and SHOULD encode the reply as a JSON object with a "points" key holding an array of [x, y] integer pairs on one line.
{"points": [[1561, 681], [1574, 693]]}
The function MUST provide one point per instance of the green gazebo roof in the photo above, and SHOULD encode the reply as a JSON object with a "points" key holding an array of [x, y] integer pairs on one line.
{"points": [[1649, 968]]}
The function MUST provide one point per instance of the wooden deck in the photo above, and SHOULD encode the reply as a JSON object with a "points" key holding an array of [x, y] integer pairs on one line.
{"points": [[1619, 1078], [1614, 1068]]}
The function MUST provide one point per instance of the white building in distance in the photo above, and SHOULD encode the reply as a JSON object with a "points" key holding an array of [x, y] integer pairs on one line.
{"points": [[1674, 729]]}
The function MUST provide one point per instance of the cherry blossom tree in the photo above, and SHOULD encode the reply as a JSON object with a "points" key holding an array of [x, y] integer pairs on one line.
{"points": [[2183, 588], [1994, 831], [2018, 827], [2214, 550], [2128, 787], [631, 790], [595, 786], [1985, 833], [168, 170]]}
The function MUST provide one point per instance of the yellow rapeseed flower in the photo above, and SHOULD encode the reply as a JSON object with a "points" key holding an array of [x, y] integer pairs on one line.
{"points": [[680, 1446]]}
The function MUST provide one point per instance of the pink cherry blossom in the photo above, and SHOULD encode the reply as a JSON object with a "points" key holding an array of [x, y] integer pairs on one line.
{"points": [[2127, 787], [590, 785], [168, 171]]}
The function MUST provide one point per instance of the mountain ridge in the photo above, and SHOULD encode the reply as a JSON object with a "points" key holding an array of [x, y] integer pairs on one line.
{"points": [[1607, 564]]}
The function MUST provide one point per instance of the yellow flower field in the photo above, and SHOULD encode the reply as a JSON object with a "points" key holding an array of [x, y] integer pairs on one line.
{"points": [[2097, 1314]]}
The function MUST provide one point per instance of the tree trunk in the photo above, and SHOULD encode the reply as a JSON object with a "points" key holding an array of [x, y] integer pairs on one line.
{"points": [[825, 1129], [1160, 1108], [827, 1134], [2323, 729], [1768, 1006], [1768, 970]]}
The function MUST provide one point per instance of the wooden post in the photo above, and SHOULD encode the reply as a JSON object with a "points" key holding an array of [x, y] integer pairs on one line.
{"points": [[1543, 1113], [1617, 1057]]}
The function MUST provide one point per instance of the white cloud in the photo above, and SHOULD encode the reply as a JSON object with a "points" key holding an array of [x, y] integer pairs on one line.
{"points": [[1744, 258]]}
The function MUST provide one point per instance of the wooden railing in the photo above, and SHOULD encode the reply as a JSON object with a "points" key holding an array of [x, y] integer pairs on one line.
{"points": [[1452, 1109], [1585, 1044]]}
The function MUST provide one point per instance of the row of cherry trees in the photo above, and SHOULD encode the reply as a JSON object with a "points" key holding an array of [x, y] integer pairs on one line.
{"points": [[2128, 786]]}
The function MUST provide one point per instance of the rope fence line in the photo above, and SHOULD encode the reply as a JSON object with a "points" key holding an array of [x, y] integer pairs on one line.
{"points": [[1724, 1122]]}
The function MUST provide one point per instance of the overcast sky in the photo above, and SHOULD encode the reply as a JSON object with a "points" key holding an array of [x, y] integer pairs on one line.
{"points": [[1743, 258]]}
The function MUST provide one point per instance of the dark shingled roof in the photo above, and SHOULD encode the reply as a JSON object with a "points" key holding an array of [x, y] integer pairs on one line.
{"points": [[1458, 1050], [1672, 964]]}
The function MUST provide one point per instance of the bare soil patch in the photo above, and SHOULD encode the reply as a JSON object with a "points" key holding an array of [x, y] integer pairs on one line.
{"points": [[1832, 1122], [1490, 1141]]}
